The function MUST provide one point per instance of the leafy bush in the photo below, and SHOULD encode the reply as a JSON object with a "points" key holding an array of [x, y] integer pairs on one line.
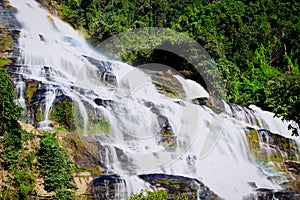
{"points": [[54, 165], [147, 195], [12, 152], [63, 114], [62, 194], [157, 195]]}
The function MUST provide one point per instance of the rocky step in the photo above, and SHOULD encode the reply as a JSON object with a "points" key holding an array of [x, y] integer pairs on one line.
{"points": [[112, 187], [267, 194]]}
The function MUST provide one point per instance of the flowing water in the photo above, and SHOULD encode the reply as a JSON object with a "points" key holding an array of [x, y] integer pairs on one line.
{"points": [[198, 143]]}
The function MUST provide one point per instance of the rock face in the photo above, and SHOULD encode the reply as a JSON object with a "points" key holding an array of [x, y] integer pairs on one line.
{"points": [[114, 187], [266, 194], [105, 71], [83, 152], [7, 16], [276, 153], [166, 83], [175, 185], [108, 187]]}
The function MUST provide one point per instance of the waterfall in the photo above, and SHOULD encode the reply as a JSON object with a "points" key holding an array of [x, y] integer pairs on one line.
{"points": [[20, 92], [150, 132]]}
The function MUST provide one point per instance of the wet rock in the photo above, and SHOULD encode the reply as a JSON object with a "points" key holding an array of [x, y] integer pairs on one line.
{"points": [[164, 122], [109, 187], [200, 101], [287, 195], [105, 71], [286, 145], [7, 16], [166, 83], [42, 38], [155, 110], [109, 79], [106, 153], [104, 102], [293, 166], [277, 153], [267, 194], [48, 5], [167, 138], [175, 185], [84, 151]]}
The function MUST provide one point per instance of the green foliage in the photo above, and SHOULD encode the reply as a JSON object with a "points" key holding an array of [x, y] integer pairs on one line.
{"points": [[157, 195], [10, 113], [285, 104], [54, 165], [6, 41], [16, 159], [30, 91], [63, 114], [62, 194], [25, 181], [147, 195], [9, 125], [3, 62]]}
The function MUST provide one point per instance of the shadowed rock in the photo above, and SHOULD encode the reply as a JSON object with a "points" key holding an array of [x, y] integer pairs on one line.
{"points": [[105, 71]]}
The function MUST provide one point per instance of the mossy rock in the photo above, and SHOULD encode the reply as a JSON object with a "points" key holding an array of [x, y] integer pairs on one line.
{"points": [[166, 83], [253, 139], [31, 88], [38, 115], [6, 44], [62, 113], [83, 152]]}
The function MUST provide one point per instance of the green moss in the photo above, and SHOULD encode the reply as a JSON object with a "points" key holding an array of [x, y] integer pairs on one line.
{"points": [[38, 115], [6, 39], [166, 90], [62, 113], [253, 139], [99, 125], [292, 157], [30, 91], [3, 62], [6, 43], [168, 183], [286, 143]]}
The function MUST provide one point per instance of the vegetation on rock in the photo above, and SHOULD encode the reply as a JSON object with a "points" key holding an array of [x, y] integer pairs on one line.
{"points": [[55, 167], [6, 42]]}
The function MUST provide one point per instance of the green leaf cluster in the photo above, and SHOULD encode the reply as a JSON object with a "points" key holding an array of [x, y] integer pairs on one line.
{"points": [[54, 166], [15, 158], [156, 195], [63, 114]]}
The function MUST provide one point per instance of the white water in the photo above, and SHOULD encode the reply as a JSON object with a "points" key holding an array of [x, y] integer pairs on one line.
{"points": [[20, 90], [210, 147]]}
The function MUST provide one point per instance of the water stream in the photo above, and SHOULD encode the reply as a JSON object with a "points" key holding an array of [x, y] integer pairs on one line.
{"points": [[204, 145]]}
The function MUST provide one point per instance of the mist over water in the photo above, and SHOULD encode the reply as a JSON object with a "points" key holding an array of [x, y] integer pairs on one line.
{"points": [[210, 147]]}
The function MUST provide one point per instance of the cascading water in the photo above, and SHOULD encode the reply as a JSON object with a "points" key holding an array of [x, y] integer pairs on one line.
{"points": [[20, 90], [150, 132]]}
